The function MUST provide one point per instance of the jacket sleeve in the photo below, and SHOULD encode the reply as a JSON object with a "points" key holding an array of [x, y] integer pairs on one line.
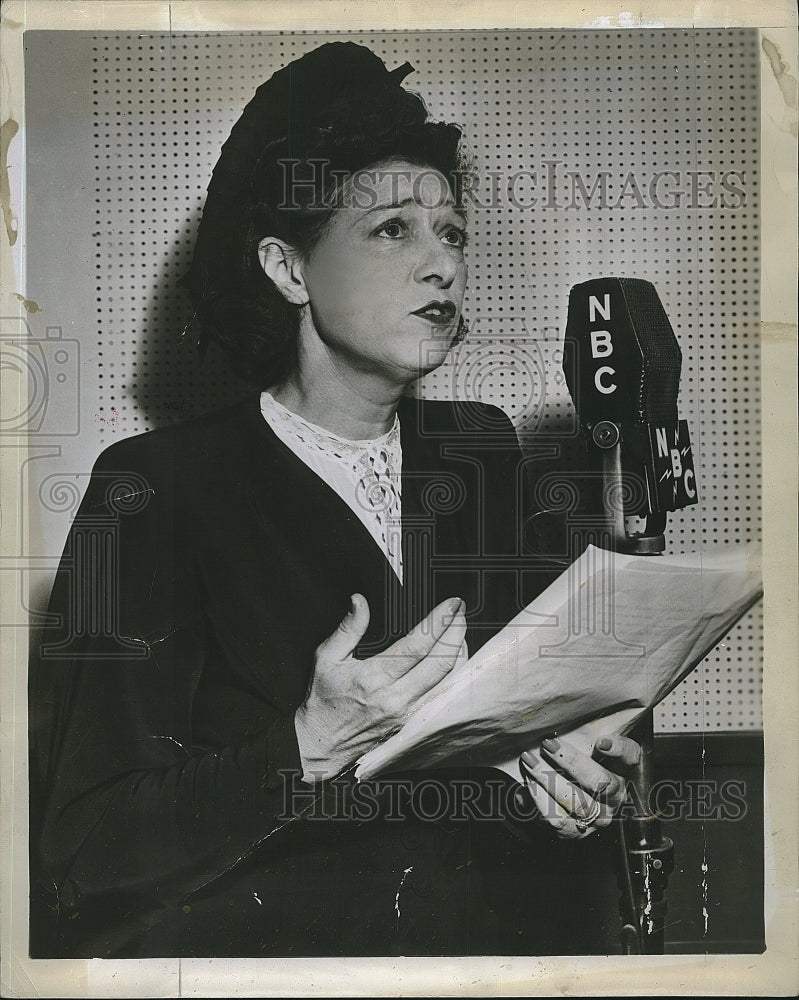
{"points": [[131, 808]]}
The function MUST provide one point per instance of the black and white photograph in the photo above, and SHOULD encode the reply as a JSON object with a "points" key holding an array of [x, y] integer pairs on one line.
{"points": [[399, 537]]}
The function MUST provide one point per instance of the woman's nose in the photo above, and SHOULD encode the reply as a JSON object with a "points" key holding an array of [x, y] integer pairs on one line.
{"points": [[438, 264]]}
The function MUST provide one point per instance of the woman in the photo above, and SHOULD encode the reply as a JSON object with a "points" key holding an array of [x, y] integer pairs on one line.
{"points": [[249, 602]]}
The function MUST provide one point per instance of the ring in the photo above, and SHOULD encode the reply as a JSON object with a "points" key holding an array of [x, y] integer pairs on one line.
{"points": [[583, 823]]}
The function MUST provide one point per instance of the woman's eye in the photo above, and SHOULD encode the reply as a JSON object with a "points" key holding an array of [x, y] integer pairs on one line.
{"points": [[392, 228], [456, 237]]}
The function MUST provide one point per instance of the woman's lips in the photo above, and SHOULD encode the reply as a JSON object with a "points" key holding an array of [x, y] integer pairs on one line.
{"points": [[440, 313]]}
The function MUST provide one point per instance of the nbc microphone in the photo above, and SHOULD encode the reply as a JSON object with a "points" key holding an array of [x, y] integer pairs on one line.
{"points": [[622, 366]]}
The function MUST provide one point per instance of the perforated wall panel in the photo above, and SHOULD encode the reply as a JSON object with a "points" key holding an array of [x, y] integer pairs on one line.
{"points": [[669, 119]]}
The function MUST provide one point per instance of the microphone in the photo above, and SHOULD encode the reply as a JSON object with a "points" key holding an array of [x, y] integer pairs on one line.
{"points": [[622, 366]]}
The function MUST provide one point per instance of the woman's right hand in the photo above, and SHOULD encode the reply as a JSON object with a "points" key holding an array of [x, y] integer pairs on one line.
{"points": [[352, 704]]}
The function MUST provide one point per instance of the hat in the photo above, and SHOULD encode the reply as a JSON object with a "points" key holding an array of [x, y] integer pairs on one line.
{"points": [[308, 95]]}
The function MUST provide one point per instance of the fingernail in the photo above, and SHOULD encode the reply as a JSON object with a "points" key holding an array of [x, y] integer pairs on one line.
{"points": [[352, 604], [528, 759], [551, 745], [605, 743]]}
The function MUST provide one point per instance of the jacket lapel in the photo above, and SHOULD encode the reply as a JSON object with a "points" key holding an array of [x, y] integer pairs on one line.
{"points": [[327, 545]]}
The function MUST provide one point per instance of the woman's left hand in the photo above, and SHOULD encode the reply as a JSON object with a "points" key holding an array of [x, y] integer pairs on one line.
{"points": [[577, 794]]}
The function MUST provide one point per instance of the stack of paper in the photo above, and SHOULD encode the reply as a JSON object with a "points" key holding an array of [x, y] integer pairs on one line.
{"points": [[606, 641]]}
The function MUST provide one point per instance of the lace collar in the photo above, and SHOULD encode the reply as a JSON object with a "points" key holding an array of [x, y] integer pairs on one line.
{"points": [[380, 452]]}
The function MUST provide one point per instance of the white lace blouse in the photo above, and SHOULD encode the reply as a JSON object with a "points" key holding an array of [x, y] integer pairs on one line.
{"points": [[365, 474]]}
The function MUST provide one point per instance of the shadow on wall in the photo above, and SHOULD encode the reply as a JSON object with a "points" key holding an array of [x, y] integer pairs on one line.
{"points": [[168, 384]]}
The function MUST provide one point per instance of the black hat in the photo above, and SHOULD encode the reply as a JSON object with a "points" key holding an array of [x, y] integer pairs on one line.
{"points": [[306, 96]]}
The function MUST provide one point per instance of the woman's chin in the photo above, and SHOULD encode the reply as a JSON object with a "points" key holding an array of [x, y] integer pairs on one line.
{"points": [[432, 354], [431, 364]]}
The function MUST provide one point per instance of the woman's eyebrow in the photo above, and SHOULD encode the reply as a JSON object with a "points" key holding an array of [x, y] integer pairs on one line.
{"points": [[460, 212]]}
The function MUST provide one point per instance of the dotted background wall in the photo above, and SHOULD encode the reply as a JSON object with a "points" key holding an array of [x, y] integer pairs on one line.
{"points": [[548, 116]]}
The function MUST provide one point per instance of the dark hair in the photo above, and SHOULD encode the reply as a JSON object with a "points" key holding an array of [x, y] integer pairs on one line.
{"points": [[289, 188]]}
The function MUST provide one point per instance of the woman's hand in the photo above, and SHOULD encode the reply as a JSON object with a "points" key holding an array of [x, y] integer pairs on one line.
{"points": [[352, 704], [577, 794]]}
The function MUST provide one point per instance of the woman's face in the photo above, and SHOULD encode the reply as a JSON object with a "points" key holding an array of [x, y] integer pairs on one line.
{"points": [[387, 278]]}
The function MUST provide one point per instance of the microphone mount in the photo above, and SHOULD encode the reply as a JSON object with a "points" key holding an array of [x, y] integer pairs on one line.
{"points": [[607, 436]]}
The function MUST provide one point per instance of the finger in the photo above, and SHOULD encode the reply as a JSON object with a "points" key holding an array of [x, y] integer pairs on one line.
{"points": [[552, 813], [576, 801], [341, 643], [605, 817], [442, 657], [406, 652], [620, 748], [564, 822], [600, 782], [420, 699]]}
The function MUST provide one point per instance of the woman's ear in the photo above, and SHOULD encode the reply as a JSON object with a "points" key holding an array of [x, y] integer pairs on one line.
{"points": [[282, 264]]}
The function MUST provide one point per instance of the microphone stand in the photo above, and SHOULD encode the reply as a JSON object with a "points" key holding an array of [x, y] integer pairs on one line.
{"points": [[644, 856]]}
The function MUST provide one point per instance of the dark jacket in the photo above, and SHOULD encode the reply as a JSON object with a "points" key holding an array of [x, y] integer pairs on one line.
{"points": [[205, 565]]}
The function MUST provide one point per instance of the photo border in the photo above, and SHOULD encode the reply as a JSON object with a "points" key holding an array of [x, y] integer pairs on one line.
{"points": [[775, 973]]}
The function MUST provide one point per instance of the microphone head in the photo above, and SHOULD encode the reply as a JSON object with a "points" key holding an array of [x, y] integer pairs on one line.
{"points": [[622, 361], [622, 366]]}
